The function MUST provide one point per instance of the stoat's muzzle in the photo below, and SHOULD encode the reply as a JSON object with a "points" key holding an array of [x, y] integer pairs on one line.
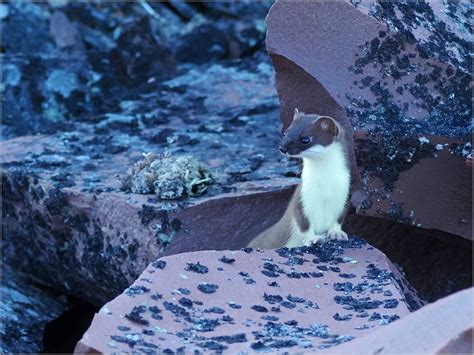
{"points": [[309, 131]]}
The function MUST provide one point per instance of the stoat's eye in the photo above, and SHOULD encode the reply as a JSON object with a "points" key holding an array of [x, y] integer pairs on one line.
{"points": [[305, 140]]}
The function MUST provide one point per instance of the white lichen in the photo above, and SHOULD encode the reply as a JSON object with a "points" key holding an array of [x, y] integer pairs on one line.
{"points": [[423, 140], [168, 177]]}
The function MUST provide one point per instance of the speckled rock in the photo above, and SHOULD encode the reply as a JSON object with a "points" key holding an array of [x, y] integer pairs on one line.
{"points": [[25, 311], [443, 327], [401, 73], [62, 193], [103, 52], [433, 193], [286, 299]]}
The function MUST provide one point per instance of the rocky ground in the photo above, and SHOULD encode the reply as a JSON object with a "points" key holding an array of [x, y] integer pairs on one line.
{"points": [[259, 300], [89, 88]]}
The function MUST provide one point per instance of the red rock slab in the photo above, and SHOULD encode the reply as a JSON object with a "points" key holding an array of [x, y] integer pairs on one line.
{"points": [[435, 193], [443, 327], [302, 299], [329, 42], [95, 245]]}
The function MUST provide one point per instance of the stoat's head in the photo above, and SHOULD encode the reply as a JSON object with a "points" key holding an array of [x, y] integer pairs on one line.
{"points": [[310, 135]]}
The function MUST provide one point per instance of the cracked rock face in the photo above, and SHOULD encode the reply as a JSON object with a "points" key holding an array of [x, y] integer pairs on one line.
{"points": [[284, 300], [400, 71]]}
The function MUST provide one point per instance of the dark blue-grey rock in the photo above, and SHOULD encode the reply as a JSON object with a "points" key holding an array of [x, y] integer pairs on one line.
{"points": [[205, 43], [25, 31], [75, 61], [26, 309]]}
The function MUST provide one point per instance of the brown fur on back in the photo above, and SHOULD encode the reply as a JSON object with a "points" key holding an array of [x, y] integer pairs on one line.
{"points": [[277, 235]]}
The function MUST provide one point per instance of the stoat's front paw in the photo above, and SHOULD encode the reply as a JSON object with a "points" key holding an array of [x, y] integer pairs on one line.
{"points": [[336, 233], [315, 238]]}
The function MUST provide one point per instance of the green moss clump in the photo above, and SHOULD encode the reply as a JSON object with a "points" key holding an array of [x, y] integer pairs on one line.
{"points": [[168, 177]]}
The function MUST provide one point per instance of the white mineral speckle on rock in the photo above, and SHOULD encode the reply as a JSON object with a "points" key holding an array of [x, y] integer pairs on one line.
{"points": [[348, 259], [160, 330], [3, 11], [134, 337], [105, 310], [112, 344], [466, 150]]}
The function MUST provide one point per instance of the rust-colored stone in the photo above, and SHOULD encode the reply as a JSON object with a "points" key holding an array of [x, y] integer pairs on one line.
{"points": [[443, 327], [434, 194], [290, 299]]}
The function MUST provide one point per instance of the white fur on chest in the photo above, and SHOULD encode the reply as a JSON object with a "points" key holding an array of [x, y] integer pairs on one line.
{"points": [[325, 187]]}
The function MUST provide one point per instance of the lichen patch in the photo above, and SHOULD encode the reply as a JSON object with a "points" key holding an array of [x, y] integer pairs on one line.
{"points": [[168, 177]]}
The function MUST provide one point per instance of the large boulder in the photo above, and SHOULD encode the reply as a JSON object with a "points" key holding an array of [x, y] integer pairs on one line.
{"points": [[68, 223], [401, 72], [287, 299]]}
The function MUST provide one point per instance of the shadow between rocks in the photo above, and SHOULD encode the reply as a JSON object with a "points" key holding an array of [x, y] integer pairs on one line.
{"points": [[62, 334], [436, 263]]}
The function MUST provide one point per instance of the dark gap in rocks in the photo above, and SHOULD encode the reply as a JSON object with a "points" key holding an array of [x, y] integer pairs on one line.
{"points": [[206, 8], [200, 7], [62, 334], [170, 6], [436, 263]]}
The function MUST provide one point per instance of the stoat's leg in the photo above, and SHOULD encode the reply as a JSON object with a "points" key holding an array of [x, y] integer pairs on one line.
{"points": [[314, 238], [335, 232]]}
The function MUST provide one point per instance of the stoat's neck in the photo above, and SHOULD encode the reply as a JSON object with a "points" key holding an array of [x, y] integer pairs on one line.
{"points": [[330, 164]]}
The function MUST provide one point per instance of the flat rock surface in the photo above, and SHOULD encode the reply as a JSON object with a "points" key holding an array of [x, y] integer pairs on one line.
{"points": [[403, 75], [286, 299], [443, 327], [25, 311]]}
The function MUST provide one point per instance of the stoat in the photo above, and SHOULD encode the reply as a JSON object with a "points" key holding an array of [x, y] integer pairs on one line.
{"points": [[318, 206]]}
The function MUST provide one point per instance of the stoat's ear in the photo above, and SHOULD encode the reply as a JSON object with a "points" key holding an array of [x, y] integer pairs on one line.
{"points": [[297, 114], [329, 125]]}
